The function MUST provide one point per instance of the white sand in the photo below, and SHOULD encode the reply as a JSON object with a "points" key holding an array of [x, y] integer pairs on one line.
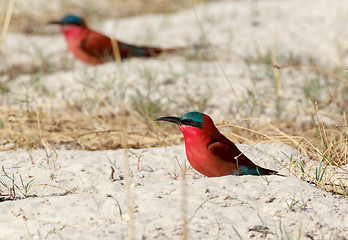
{"points": [[77, 200], [310, 29], [73, 200]]}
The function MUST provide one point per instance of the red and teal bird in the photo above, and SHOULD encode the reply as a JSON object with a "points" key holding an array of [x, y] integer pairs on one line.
{"points": [[95, 48], [210, 152]]}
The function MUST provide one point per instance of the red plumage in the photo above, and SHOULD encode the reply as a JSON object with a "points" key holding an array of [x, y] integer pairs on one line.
{"points": [[210, 152], [95, 48]]}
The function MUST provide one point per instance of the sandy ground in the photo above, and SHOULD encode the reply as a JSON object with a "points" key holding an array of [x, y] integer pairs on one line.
{"points": [[79, 200], [239, 30], [72, 195]]}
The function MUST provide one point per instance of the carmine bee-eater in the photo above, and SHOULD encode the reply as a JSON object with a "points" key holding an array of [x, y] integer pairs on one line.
{"points": [[95, 48], [210, 152]]}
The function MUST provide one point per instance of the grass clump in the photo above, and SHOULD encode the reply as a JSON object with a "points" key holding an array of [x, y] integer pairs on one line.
{"points": [[13, 187]]}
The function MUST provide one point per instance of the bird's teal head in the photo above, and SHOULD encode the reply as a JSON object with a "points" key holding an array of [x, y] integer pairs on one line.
{"points": [[194, 119], [70, 19]]}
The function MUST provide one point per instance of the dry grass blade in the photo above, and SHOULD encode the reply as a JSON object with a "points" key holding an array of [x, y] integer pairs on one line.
{"points": [[184, 207], [124, 142], [7, 20], [276, 70], [215, 56]]}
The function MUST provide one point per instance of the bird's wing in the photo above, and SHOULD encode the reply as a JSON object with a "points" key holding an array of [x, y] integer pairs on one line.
{"points": [[228, 151], [128, 50], [97, 44]]}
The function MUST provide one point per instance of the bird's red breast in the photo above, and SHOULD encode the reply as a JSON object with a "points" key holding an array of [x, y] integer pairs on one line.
{"points": [[87, 45]]}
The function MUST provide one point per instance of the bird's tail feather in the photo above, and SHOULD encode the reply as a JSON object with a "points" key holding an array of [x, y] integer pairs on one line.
{"points": [[265, 171], [190, 47]]}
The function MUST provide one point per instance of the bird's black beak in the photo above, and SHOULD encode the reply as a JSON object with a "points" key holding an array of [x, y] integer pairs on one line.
{"points": [[175, 120], [55, 22]]}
